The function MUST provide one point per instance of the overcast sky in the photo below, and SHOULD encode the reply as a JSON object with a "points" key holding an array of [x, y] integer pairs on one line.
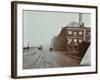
{"points": [[39, 27]]}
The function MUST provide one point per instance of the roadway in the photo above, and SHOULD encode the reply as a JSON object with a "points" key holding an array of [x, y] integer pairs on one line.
{"points": [[47, 59]]}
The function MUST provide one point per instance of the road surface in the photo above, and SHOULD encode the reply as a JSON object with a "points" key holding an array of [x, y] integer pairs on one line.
{"points": [[47, 59]]}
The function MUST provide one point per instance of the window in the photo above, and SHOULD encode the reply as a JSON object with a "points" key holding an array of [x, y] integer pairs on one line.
{"points": [[89, 33], [75, 33], [69, 32], [75, 40], [69, 41], [88, 40], [80, 33], [80, 40]]}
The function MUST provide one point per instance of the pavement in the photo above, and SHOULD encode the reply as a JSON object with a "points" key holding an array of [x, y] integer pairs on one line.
{"points": [[35, 59]]}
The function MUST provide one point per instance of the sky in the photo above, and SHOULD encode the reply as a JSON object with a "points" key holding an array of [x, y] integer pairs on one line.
{"points": [[39, 27]]}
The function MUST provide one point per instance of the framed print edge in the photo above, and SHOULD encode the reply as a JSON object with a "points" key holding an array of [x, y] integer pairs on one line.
{"points": [[14, 33], [13, 40], [96, 39]]}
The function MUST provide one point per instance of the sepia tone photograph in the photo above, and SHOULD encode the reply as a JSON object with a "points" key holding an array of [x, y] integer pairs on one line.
{"points": [[50, 39], [54, 39]]}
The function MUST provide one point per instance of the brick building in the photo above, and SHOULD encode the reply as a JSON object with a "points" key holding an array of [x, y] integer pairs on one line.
{"points": [[71, 38]]}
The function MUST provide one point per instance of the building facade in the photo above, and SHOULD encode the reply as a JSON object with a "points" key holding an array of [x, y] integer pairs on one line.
{"points": [[71, 39], [76, 36]]}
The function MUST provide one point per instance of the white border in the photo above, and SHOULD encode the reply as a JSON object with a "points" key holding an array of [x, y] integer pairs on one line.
{"points": [[33, 72]]}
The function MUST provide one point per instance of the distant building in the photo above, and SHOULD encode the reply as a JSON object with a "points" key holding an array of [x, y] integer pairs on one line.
{"points": [[59, 42]]}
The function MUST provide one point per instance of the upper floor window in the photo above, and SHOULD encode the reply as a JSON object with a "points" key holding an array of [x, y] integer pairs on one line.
{"points": [[75, 33], [80, 33], [89, 33], [69, 32]]}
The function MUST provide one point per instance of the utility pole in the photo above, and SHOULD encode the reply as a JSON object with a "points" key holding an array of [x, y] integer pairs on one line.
{"points": [[28, 46]]}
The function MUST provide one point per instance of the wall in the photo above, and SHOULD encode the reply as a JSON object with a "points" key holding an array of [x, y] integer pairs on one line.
{"points": [[5, 41]]}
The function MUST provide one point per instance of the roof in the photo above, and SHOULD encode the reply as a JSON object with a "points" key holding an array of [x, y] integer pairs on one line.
{"points": [[74, 25]]}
